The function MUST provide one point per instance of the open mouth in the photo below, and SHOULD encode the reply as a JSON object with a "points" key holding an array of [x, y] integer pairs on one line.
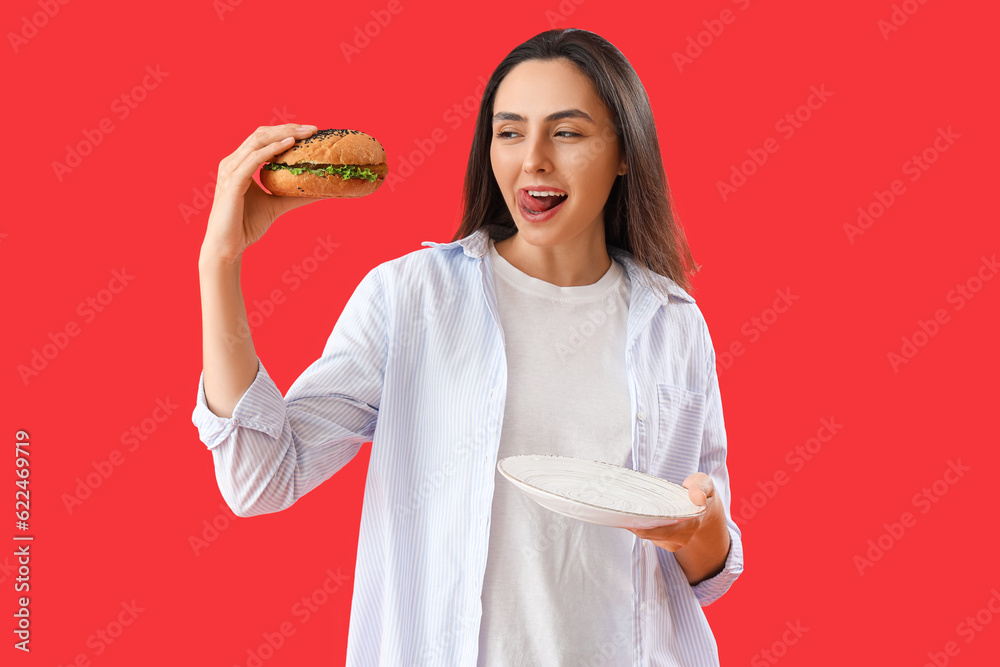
{"points": [[537, 202]]}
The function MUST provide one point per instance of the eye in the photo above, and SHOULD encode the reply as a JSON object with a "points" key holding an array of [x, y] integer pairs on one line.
{"points": [[572, 134], [503, 135]]}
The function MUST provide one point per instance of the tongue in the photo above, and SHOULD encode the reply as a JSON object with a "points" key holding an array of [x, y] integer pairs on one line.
{"points": [[543, 203]]}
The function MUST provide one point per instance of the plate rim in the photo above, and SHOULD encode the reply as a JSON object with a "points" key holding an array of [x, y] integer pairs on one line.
{"points": [[510, 477]]}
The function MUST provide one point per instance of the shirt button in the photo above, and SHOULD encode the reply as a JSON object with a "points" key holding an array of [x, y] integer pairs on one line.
{"points": [[641, 415]]}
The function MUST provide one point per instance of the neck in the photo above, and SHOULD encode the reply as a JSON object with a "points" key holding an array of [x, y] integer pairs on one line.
{"points": [[583, 261]]}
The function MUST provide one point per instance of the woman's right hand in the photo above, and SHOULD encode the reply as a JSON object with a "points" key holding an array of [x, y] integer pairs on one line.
{"points": [[241, 210]]}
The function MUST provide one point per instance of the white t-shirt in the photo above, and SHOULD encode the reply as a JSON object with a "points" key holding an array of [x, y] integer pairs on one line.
{"points": [[558, 591]]}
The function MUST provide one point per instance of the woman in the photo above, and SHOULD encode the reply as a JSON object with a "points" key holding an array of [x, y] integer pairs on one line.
{"points": [[559, 331]]}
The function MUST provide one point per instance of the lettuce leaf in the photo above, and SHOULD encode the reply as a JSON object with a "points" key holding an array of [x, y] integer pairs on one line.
{"points": [[345, 171]]}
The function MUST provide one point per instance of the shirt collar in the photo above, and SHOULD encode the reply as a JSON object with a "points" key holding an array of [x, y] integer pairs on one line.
{"points": [[476, 245]]}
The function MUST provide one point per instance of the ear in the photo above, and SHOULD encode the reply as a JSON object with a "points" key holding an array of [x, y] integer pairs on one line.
{"points": [[622, 166]]}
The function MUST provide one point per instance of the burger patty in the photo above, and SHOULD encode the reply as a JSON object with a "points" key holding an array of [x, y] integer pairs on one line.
{"points": [[380, 169]]}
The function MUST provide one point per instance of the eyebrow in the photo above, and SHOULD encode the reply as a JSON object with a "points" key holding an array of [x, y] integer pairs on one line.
{"points": [[552, 117]]}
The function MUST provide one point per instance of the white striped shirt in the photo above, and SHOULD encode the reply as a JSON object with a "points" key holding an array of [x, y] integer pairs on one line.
{"points": [[416, 365]]}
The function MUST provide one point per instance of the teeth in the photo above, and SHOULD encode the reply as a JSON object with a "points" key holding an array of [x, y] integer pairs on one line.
{"points": [[545, 193]]}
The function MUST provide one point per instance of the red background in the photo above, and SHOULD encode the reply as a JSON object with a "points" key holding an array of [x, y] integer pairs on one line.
{"points": [[223, 73]]}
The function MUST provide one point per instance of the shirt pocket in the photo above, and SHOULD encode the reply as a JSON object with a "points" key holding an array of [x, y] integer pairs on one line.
{"points": [[680, 428]]}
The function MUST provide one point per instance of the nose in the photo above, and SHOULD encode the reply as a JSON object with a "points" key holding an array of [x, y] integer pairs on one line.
{"points": [[537, 154]]}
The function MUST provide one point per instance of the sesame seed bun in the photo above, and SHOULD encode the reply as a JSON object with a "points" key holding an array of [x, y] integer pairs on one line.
{"points": [[327, 148]]}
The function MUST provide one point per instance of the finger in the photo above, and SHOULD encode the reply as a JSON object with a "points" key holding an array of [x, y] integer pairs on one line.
{"points": [[266, 135], [285, 204], [700, 488], [670, 544], [251, 163], [648, 533], [668, 531]]}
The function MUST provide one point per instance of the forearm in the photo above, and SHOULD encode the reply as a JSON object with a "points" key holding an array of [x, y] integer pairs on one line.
{"points": [[228, 355], [705, 555]]}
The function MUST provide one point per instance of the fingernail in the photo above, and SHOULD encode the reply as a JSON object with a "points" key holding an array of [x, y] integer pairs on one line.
{"points": [[287, 139], [305, 127]]}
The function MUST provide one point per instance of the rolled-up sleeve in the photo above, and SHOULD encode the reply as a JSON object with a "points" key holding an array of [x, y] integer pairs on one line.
{"points": [[713, 463], [275, 449], [260, 409]]}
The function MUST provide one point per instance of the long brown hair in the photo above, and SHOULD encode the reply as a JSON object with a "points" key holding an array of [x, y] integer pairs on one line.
{"points": [[638, 216]]}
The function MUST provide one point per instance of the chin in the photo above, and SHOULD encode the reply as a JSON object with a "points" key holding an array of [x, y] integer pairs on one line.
{"points": [[536, 236]]}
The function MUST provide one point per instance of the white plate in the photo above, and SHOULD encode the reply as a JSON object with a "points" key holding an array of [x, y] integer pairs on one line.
{"points": [[598, 492]]}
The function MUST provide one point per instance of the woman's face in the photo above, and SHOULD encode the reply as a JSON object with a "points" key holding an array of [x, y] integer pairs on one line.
{"points": [[552, 132]]}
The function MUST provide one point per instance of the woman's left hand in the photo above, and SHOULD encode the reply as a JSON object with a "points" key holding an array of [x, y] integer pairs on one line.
{"points": [[701, 490]]}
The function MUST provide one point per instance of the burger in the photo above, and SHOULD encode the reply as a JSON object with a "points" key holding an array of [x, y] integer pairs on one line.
{"points": [[330, 163]]}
